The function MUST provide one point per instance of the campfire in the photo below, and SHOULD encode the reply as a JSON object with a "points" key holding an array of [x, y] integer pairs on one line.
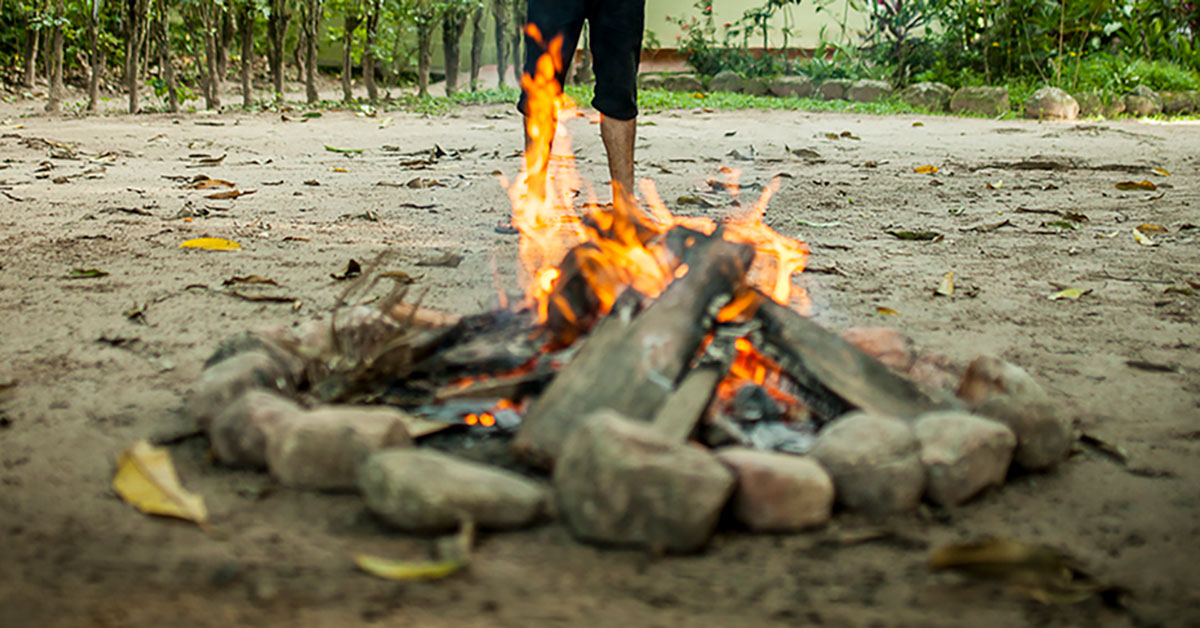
{"points": [[640, 332]]}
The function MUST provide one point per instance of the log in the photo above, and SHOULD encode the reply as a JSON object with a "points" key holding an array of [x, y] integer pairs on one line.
{"points": [[632, 364], [817, 358], [678, 416]]}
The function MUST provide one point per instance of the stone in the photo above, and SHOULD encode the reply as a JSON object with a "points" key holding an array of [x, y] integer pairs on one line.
{"points": [[420, 490], [834, 89], [683, 83], [932, 96], [963, 454], [223, 382], [1091, 103], [240, 433], [1051, 103], [1005, 392], [935, 372], [868, 90], [1143, 101], [651, 81], [1180, 103], [756, 86], [785, 86], [778, 492], [324, 450], [726, 81], [621, 482], [874, 461], [989, 101], [885, 344]]}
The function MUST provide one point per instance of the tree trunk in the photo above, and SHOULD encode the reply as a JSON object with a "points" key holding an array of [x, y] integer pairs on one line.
{"points": [[246, 26], [312, 28], [500, 16], [424, 55], [211, 24], [350, 24], [165, 62], [518, 37], [368, 60], [477, 37], [97, 58], [277, 25], [454, 22], [136, 13], [54, 103], [299, 52], [225, 42], [32, 37]]}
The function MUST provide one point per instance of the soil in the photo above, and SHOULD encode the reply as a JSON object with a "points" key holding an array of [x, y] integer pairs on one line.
{"points": [[88, 379]]}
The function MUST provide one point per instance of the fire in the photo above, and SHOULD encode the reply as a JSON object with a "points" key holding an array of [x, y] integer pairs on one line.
{"points": [[751, 366], [622, 247]]}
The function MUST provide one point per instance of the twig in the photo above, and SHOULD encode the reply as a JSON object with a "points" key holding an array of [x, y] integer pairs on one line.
{"points": [[1104, 274]]}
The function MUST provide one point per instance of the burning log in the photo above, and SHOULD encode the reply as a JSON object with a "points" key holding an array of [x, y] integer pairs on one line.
{"points": [[632, 365], [821, 360]]}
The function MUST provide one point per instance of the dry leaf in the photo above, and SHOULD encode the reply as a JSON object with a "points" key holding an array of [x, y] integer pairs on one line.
{"points": [[207, 184], [995, 186], [1161, 172], [918, 123], [1151, 228], [946, 288], [925, 169], [147, 480], [1137, 185], [406, 570], [211, 244], [1107, 236], [886, 311], [1069, 293], [229, 194], [259, 279], [340, 170], [1044, 573], [1143, 239]]}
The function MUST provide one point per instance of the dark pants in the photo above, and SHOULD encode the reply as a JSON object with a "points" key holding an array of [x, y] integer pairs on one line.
{"points": [[616, 42]]}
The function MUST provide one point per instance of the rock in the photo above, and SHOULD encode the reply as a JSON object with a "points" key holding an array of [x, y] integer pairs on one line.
{"points": [[1143, 101], [989, 101], [223, 382], [726, 81], [874, 461], [1114, 108], [756, 86], [963, 454], [324, 450], [798, 86], [651, 81], [240, 433], [620, 481], [683, 83], [932, 96], [936, 372], [1004, 392], [420, 490], [778, 492], [868, 91], [278, 341], [1180, 103], [1051, 103], [834, 89], [885, 344], [1096, 103]]}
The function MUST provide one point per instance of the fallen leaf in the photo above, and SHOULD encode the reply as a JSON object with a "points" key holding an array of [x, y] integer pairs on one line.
{"points": [[1069, 293], [1107, 236], [1179, 290], [230, 194], [422, 182], [925, 169], [208, 161], [1143, 239], [918, 123], [886, 311], [353, 269], [257, 279], [1151, 228], [730, 133], [818, 225], [147, 480], [1137, 185], [406, 570], [390, 184], [849, 135], [1161, 172], [267, 298], [398, 276], [344, 151], [86, 273], [988, 227], [211, 244], [311, 114], [928, 236], [208, 184], [385, 123], [439, 258], [312, 182], [1061, 224], [995, 186], [340, 170], [1044, 573], [946, 288]]}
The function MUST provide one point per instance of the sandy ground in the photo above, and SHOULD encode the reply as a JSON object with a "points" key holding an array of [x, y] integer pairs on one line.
{"points": [[89, 380]]}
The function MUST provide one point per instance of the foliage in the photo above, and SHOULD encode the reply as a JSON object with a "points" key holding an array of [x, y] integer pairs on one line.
{"points": [[709, 54]]}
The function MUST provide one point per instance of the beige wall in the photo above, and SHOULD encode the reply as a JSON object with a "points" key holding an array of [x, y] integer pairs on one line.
{"points": [[806, 21]]}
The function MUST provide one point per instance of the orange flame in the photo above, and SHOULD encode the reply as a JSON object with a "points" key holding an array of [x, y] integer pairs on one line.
{"points": [[751, 366]]}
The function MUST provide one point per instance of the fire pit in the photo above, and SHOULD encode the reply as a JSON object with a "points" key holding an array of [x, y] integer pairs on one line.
{"points": [[660, 366]]}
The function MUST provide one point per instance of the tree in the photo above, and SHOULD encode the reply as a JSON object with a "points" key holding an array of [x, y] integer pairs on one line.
{"points": [[311, 12], [245, 19], [135, 30], [162, 39], [455, 16], [54, 103], [97, 55], [209, 14], [477, 37], [518, 12], [374, 12], [500, 17], [34, 21], [425, 16], [352, 16], [279, 14]]}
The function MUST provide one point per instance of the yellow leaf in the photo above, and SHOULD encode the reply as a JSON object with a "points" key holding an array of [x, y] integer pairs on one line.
{"points": [[340, 170], [1161, 172], [925, 169], [1143, 239], [1069, 293], [211, 244], [386, 122], [995, 186], [406, 570], [1137, 185], [1151, 228], [886, 311], [146, 479], [1107, 236], [946, 288], [918, 123]]}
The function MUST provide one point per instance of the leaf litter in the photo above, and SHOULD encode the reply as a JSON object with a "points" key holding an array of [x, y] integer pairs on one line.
{"points": [[146, 479], [1039, 571]]}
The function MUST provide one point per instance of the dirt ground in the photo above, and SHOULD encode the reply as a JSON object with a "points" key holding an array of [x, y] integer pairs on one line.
{"points": [[1123, 360]]}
